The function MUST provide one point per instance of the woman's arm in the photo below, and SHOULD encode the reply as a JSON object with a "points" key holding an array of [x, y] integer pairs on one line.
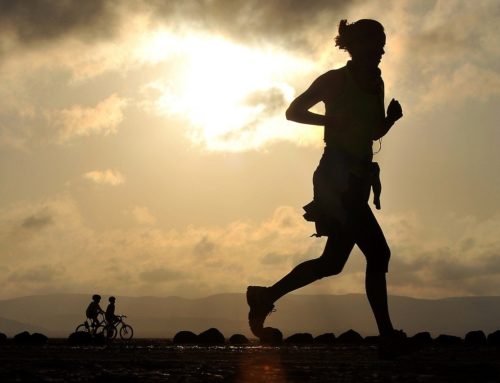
{"points": [[298, 110], [394, 113]]}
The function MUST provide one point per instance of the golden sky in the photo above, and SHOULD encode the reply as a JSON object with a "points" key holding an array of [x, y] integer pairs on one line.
{"points": [[144, 148]]}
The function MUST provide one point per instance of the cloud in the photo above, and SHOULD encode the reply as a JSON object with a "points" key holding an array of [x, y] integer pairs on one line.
{"points": [[37, 221], [274, 259], [441, 52], [25, 128], [41, 274], [287, 22], [204, 247], [102, 119], [107, 177], [143, 215], [427, 260], [467, 82], [36, 21]]}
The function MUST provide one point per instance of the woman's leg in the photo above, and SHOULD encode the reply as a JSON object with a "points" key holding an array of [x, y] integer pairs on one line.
{"points": [[376, 291], [331, 262], [370, 239]]}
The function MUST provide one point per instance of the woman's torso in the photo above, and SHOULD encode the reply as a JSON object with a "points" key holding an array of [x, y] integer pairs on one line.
{"points": [[359, 113]]}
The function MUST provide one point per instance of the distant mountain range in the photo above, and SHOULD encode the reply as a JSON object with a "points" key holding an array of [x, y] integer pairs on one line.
{"points": [[154, 317]]}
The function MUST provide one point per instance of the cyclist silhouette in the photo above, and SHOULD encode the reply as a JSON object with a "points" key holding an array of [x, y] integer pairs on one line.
{"points": [[93, 310], [110, 316], [354, 117]]}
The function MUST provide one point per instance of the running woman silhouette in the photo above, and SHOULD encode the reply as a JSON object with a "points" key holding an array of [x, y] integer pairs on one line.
{"points": [[354, 117]]}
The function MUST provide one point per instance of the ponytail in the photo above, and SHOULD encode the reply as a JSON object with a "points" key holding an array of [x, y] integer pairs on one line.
{"points": [[342, 39]]}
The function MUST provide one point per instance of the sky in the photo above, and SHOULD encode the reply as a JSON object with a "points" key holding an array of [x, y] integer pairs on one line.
{"points": [[144, 148]]}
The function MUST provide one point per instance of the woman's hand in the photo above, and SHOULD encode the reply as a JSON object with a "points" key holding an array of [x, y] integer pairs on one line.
{"points": [[394, 111]]}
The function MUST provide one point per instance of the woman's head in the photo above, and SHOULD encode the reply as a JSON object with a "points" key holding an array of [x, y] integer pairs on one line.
{"points": [[363, 39]]}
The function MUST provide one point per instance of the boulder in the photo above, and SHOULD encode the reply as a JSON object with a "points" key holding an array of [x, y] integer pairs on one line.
{"points": [[211, 336], [350, 336], [448, 340], [22, 338], [185, 337], [38, 339], [423, 337], [300, 338], [238, 339], [494, 338], [3, 338], [475, 338], [271, 336], [328, 338], [99, 339], [372, 339]]}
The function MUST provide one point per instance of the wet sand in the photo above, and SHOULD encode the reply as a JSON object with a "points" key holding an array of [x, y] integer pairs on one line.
{"points": [[160, 361]]}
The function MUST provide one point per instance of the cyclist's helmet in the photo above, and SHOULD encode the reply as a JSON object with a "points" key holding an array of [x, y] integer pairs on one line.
{"points": [[112, 299], [96, 297]]}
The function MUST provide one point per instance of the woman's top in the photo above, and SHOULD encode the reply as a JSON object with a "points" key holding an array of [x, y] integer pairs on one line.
{"points": [[359, 112]]}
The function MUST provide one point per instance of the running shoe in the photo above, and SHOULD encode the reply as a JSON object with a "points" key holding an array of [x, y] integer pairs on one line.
{"points": [[260, 308]]}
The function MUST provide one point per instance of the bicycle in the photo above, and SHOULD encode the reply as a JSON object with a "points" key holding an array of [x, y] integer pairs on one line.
{"points": [[119, 326], [90, 326]]}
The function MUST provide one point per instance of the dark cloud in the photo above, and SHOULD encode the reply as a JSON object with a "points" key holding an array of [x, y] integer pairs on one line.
{"points": [[35, 21], [159, 275], [286, 21], [272, 100], [467, 244], [442, 269], [204, 247], [37, 221]]}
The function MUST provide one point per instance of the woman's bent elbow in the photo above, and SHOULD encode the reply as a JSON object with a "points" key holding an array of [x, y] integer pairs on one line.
{"points": [[291, 115]]}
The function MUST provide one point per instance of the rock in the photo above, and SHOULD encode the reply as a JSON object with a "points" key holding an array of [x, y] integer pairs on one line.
{"points": [[328, 338], [80, 338], [22, 338], [271, 336], [350, 336], [372, 339], [475, 338], [238, 339], [494, 338], [423, 337], [211, 336], [185, 337], [300, 338], [448, 340], [99, 339], [38, 339], [3, 338]]}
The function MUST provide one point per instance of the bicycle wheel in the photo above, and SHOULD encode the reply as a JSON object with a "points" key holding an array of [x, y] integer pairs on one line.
{"points": [[84, 327], [126, 332], [100, 329]]}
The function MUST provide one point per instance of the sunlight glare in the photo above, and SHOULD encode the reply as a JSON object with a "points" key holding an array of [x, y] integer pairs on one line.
{"points": [[233, 96]]}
